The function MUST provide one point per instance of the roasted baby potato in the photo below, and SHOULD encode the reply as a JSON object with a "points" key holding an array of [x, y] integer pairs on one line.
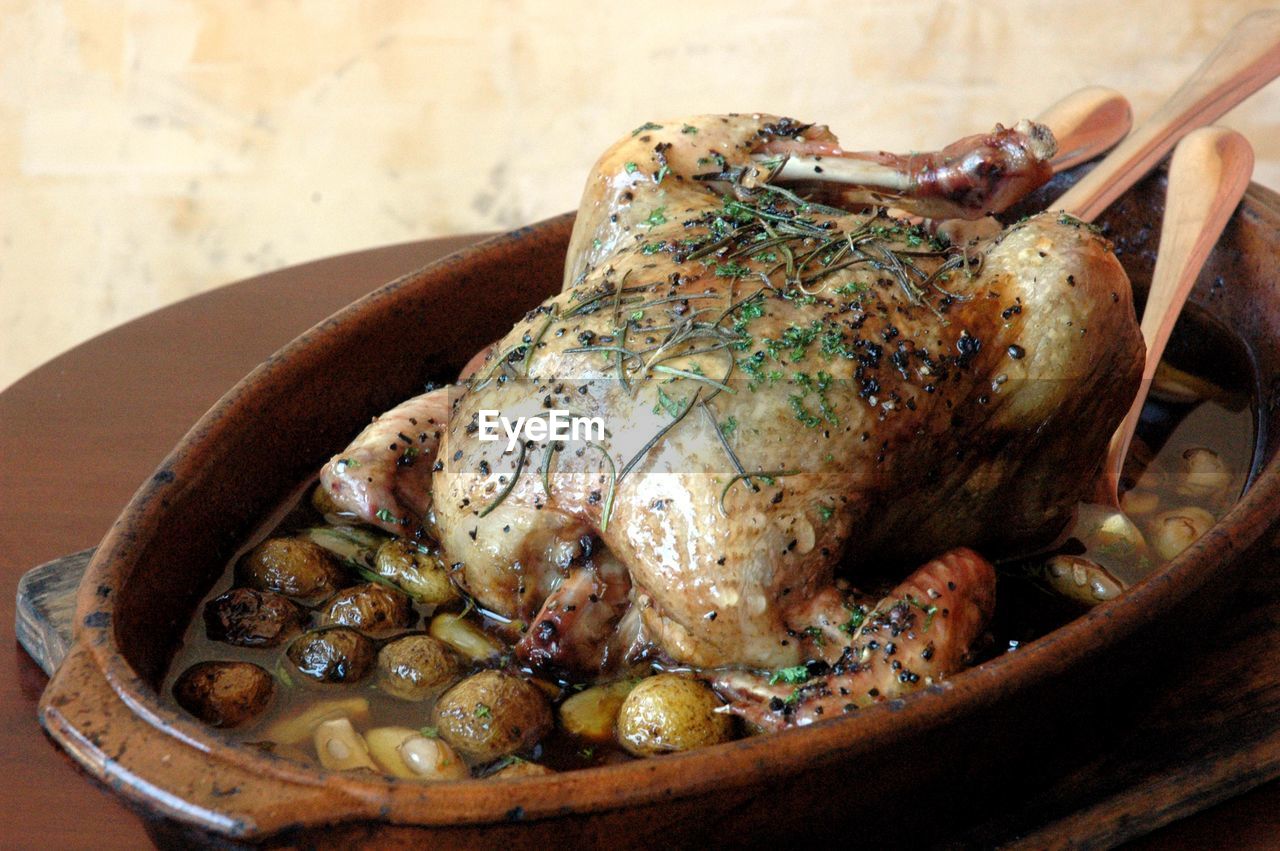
{"points": [[293, 567], [420, 574], [246, 617], [492, 714], [333, 655], [670, 712], [224, 694], [372, 607], [411, 755], [416, 667]]}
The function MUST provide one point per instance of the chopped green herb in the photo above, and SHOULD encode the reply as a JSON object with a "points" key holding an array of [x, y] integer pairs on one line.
{"points": [[852, 288], [729, 426], [806, 418], [631, 167], [825, 512], [483, 711], [857, 616], [430, 732], [929, 611], [657, 217], [731, 270], [386, 516], [797, 674], [689, 129], [662, 172], [648, 125], [674, 407]]}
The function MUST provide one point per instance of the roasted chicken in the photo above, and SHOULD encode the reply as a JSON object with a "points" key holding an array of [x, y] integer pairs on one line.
{"points": [[797, 400]]}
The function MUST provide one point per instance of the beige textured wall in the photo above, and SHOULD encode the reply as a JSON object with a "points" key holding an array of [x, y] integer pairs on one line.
{"points": [[152, 150]]}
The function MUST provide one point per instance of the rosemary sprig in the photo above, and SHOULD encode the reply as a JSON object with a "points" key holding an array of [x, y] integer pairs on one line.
{"points": [[606, 510], [510, 484], [693, 376], [658, 435], [581, 308], [553, 446], [536, 339], [724, 442]]}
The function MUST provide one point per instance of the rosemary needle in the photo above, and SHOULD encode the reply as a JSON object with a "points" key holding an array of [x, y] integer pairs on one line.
{"points": [[510, 485]]}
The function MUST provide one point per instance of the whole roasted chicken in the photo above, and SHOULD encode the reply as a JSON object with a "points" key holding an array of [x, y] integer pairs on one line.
{"points": [[796, 400]]}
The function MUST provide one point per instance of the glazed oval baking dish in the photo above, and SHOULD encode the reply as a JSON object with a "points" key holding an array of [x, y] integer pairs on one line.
{"points": [[912, 761]]}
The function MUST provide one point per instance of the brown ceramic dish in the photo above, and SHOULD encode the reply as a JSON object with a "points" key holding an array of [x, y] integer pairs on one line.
{"points": [[906, 765]]}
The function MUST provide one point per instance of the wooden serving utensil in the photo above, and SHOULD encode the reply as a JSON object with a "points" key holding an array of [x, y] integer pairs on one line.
{"points": [[1087, 123], [1246, 60], [1209, 173]]}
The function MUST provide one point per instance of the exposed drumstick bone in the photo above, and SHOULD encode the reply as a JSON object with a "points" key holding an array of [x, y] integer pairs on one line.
{"points": [[1210, 171], [967, 179], [977, 174]]}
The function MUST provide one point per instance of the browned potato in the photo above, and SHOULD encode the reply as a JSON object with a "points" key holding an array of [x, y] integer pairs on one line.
{"points": [[492, 714], [372, 608], [333, 655], [292, 567], [224, 694], [670, 712], [416, 667], [248, 618], [419, 574]]}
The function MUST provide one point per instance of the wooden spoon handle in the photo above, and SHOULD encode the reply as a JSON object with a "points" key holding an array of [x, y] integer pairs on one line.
{"points": [[1209, 173], [1246, 60], [1087, 123]]}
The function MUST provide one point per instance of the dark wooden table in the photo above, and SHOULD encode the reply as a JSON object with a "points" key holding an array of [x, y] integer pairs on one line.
{"points": [[81, 432]]}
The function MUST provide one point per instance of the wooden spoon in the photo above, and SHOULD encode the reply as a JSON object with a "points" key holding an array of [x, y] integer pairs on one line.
{"points": [[1209, 173], [1247, 59], [1087, 123]]}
